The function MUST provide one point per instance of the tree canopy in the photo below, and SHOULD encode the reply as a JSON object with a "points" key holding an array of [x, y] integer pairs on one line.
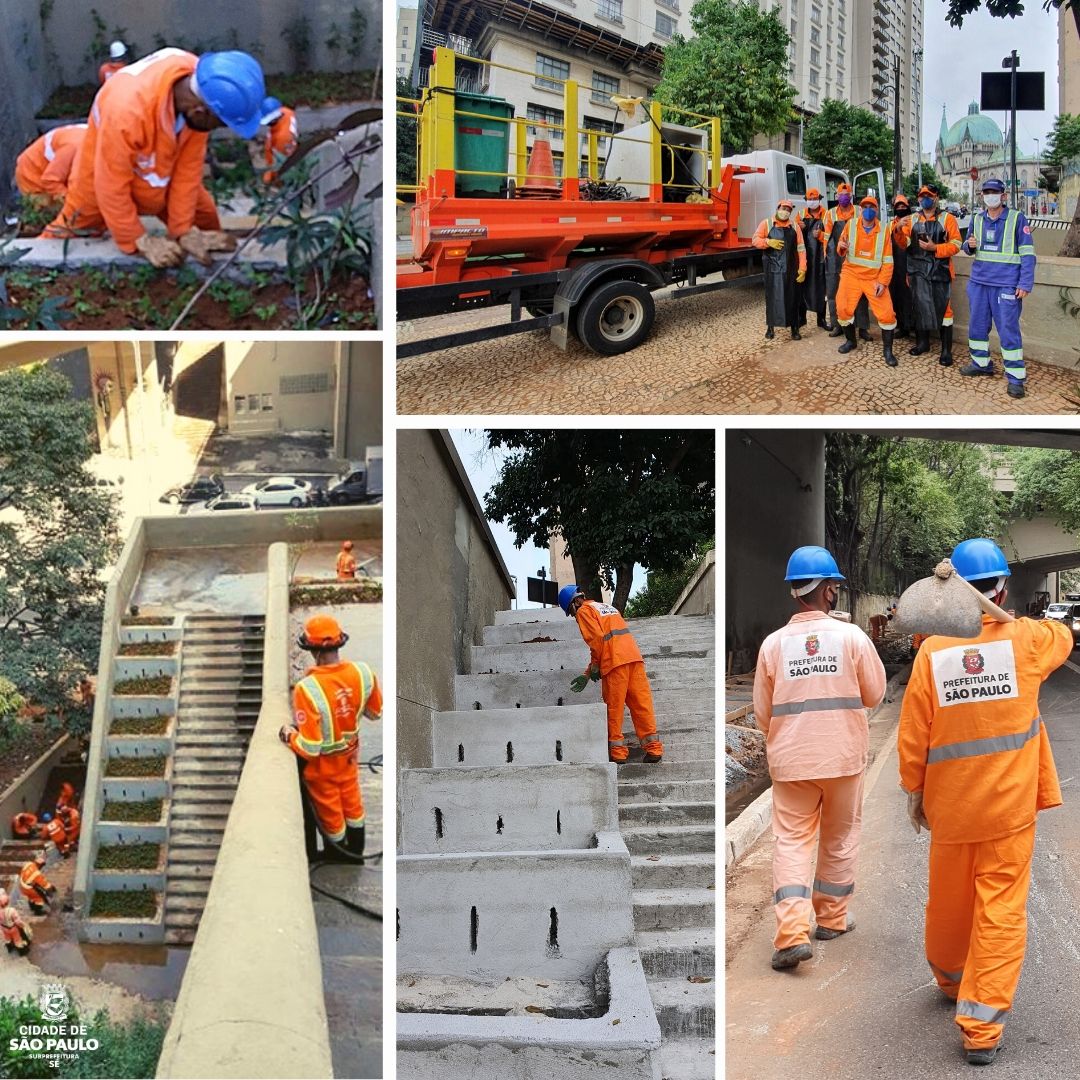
{"points": [[1047, 482], [618, 498], [930, 178], [57, 535], [1063, 141], [735, 67], [849, 138], [958, 10]]}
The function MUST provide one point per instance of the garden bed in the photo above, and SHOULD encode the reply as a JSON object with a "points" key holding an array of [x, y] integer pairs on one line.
{"points": [[360, 592], [144, 687], [128, 857], [140, 725], [147, 620], [147, 811], [148, 648], [153, 765], [22, 744], [124, 904]]}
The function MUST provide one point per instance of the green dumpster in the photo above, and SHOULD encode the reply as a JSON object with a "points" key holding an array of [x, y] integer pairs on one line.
{"points": [[481, 145]]}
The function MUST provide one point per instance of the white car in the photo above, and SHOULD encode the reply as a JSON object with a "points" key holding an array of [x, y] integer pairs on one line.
{"points": [[280, 491], [231, 500]]}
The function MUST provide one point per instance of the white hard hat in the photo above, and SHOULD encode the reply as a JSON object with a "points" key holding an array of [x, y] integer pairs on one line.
{"points": [[117, 49], [4, 899]]}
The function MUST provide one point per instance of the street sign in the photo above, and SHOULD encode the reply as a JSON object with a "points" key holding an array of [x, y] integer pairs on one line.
{"points": [[1032, 193], [974, 173], [1030, 91], [543, 592]]}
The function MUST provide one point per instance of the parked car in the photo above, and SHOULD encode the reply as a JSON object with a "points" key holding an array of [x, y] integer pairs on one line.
{"points": [[279, 491], [201, 489], [232, 500], [1069, 614]]}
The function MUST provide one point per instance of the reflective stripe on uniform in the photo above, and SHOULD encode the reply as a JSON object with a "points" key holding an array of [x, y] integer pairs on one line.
{"points": [[318, 698], [650, 739], [50, 153], [829, 889], [617, 742], [354, 823], [948, 976], [976, 1010], [1008, 252], [995, 744], [614, 633], [875, 261], [790, 708], [785, 892]]}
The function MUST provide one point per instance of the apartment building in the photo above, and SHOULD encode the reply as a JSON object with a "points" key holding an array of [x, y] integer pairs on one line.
{"points": [[1068, 63], [405, 41]]}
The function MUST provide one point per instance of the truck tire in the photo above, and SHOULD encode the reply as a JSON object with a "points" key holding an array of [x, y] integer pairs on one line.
{"points": [[615, 317]]}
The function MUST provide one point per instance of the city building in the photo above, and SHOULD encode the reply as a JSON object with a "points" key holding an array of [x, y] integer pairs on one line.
{"points": [[405, 41], [1068, 63]]}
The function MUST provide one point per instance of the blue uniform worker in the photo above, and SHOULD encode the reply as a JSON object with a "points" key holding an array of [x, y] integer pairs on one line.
{"points": [[1002, 275]]}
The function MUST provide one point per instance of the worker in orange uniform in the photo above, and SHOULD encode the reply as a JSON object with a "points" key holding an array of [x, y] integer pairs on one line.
{"points": [[931, 242], [71, 819], [118, 60], [327, 705], [780, 238], [282, 135], [899, 229], [976, 763], [17, 935], [812, 221], [144, 152], [24, 826], [43, 168], [36, 888], [814, 681], [346, 563], [52, 828], [836, 222], [866, 248], [66, 796], [616, 661]]}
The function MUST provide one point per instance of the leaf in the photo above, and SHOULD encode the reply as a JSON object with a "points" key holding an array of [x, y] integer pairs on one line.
{"points": [[535, 1009], [698, 979]]}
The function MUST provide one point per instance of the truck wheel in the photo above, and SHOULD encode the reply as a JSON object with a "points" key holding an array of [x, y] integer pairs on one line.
{"points": [[616, 317]]}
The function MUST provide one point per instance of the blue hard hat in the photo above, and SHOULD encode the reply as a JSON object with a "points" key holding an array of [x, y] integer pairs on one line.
{"points": [[46, 818], [566, 594], [980, 558], [993, 184], [807, 563], [231, 84], [271, 109]]}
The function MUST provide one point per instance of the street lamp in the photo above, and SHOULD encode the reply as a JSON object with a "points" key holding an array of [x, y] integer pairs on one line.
{"points": [[917, 57]]}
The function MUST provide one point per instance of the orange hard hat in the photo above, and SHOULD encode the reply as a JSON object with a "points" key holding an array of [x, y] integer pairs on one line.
{"points": [[844, 189], [900, 199], [813, 193], [322, 632], [927, 190], [785, 202], [868, 200], [347, 546]]}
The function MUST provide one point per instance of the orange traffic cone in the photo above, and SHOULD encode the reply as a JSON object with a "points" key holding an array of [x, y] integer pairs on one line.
{"points": [[540, 182]]}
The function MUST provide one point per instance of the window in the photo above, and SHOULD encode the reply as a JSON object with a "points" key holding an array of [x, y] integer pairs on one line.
{"points": [[546, 116], [794, 32], [405, 31], [815, 56], [665, 24], [253, 402], [673, 4], [840, 42], [815, 16], [813, 98], [815, 36], [267, 403], [239, 402], [557, 160], [550, 72], [796, 179], [813, 77], [603, 86], [315, 383], [609, 9]]}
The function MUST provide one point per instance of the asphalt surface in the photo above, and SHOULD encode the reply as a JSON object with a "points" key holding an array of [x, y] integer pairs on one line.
{"points": [[866, 1005]]}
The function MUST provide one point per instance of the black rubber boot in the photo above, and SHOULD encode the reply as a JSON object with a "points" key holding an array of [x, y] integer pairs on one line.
{"points": [[792, 957], [823, 933], [945, 359], [984, 1055], [836, 330], [652, 757], [823, 323], [769, 334], [865, 335], [922, 342], [886, 344], [850, 344], [354, 840], [795, 335], [1016, 389]]}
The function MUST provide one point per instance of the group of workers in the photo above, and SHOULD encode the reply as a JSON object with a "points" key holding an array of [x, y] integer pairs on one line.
{"points": [[143, 148], [843, 263], [976, 768]]}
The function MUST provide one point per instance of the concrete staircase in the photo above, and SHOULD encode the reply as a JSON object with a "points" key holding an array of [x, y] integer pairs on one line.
{"points": [[14, 855], [220, 697]]}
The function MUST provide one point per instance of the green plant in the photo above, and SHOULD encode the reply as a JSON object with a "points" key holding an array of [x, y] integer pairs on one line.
{"points": [[150, 685], [146, 620], [359, 592], [8, 257], [265, 312], [357, 33], [128, 857], [297, 35], [149, 810], [140, 725], [335, 40], [153, 765], [124, 904], [148, 648]]}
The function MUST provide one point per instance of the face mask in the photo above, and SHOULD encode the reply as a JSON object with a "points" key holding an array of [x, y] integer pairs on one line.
{"points": [[902, 211], [812, 204], [844, 200], [992, 201], [833, 600], [928, 204], [783, 215], [869, 213]]}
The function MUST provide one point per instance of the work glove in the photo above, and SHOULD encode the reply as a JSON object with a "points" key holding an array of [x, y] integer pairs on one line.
{"points": [[776, 245], [159, 251], [800, 277], [284, 733], [578, 684], [199, 244], [594, 673], [915, 811]]}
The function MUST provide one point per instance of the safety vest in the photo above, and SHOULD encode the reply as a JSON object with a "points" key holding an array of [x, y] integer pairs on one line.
{"points": [[336, 737], [29, 876], [1008, 251], [873, 263]]}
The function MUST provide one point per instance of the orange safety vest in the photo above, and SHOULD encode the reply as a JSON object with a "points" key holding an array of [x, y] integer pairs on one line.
{"points": [[44, 167], [71, 820], [971, 738], [869, 254], [29, 877], [327, 704], [12, 927], [282, 137], [346, 566], [55, 832], [609, 639], [109, 69], [66, 796], [24, 824]]}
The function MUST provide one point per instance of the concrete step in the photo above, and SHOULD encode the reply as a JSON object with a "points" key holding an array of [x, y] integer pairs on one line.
{"points": [[182, 871], [696, 870], [185, 794], [194, 781], [668, 909], [184, 813], [193, 856], [211, 753], [221, 740], [635, 791], [191, 837], [685, 1009], [669, 839], [175, 935], [666, 813], [215, 728], [198, 714], [675, 954], [199, 823], [220, 771], [182, 918], [669, 770], [669, 631], [688, 1059], [192, 886]]}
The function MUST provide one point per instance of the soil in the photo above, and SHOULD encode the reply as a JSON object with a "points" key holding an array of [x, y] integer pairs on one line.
{"points": [[26, 748]]}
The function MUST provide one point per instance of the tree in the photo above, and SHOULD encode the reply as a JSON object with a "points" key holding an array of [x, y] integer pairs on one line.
{"points": [[1047, 482], [1063, 142], [734, 67], [618, 498], [664, 587], [407, 127], [958, 10], [57, 537], [845, 137], [930, 178]]}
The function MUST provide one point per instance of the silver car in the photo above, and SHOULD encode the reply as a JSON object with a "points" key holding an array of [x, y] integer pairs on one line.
{"points": [[280, 491]]}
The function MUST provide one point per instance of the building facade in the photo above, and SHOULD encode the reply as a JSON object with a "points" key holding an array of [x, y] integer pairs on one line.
{"points": [[405, 41], [1068, 64]]}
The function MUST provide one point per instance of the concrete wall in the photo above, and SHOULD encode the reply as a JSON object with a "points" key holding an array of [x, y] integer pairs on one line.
{"points": [[775, 489], [1051, 332], [699, 596], [26, 80], [286, 385], [1068, 63], [25, 792], [450, 582], [359, 399], [251, 1003]]}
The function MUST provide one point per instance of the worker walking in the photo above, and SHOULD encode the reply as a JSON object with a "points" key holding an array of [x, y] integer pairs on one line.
{"points": [[931, 242], [282, 136], [42, 170], [327, 705], [615, 659], [346, 562], [145, 148], [814, 681], [836, 223], [866, 248], [815, 237], [17, 935], [36, 888], [899, 292], [1001, 276], [118, 60], [976, 763], [784, 261]]}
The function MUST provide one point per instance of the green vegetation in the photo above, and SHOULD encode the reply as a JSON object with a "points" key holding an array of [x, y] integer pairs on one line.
{"points": [[124, 904], [128, 857], [930, 178], [150, 685], [849, 138], [154, 765], [149, 810], [359, 592], [140, 725], [148, 648], [664, 587], [146, 620], [316, 88]]}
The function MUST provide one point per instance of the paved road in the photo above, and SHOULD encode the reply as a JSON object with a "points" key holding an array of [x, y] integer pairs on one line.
{"points": [[865, 1006], [707, 354]]}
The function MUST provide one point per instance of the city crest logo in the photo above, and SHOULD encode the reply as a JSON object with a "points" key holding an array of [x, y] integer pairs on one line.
{"points": [[54, 1003], [812, 645], [973, 661]]}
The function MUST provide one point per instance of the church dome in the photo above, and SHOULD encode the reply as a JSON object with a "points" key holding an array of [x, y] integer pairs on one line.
{"points": [[981, 128]]}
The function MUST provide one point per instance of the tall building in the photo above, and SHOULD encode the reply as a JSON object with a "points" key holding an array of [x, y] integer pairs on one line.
{"points": [[405, 41], [1068, 64]]}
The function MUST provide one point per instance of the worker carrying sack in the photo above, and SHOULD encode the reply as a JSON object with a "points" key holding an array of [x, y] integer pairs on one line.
{"points": [[945, 604]]}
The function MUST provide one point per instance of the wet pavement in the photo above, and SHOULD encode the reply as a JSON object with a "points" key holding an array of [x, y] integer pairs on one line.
{"points": [[223, 580]]}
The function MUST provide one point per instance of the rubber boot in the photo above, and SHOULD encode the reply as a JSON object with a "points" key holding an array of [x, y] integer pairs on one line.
{"points": [[851, 343], [886, 344], [945, 359], [823, 323], [795, 335], [769, 334], [974, 369], [922, 342], [865, 335], [354, 840], [791, 957]]}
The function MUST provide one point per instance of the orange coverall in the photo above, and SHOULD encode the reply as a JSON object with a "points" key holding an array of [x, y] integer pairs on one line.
{"points": [[327, 704], [281, 140], [815, 678], [13, 930], [868, 262], [346, 566], [24, 826], [135, 162], [55, 831], [44, 166], [71, 820], [971, 740], [109, 69], [34, 886], [66, 796], [623, 681]]}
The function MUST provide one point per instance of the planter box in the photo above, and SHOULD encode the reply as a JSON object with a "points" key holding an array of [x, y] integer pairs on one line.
{"points": [[138, 788], [144, 667], [129, 931], [134, 705], [135, 832], [129, 880], [143, 745], [150, 633]]}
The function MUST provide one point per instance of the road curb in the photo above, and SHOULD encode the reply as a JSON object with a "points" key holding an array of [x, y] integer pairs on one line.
{"points": [[746, 829]]}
